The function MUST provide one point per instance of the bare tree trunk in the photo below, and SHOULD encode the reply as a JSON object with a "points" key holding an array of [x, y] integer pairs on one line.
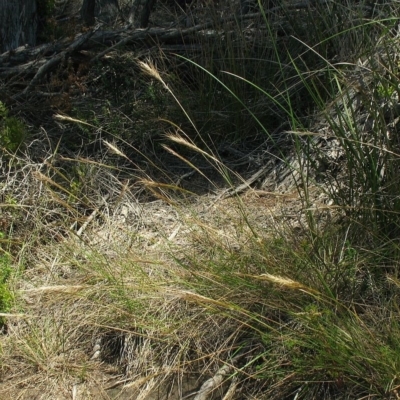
{"points": [[139, 13], [18, 23], [108, 10], [145, 15], [104, 10], [87, 12]]}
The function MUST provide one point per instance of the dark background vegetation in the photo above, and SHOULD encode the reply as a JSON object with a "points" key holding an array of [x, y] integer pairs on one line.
{"points": [[113, 95]]}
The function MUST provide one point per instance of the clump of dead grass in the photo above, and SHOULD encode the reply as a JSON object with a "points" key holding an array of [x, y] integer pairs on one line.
{"points": [[280, 296]]}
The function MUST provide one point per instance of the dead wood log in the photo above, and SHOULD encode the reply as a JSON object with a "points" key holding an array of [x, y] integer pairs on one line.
{"points": [[39, 61], [54, 61]]}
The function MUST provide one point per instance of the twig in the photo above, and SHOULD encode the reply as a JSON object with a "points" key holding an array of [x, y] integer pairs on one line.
{"points": [[246, 184], [90, 217], [232, 389], [209, 385]]}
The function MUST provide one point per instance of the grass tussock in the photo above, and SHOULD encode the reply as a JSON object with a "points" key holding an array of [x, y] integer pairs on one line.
{"points": [[288, 290]]}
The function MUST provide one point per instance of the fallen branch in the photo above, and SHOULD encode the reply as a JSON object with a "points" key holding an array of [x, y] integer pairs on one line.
{"points": [[54, 61], [25, 61], [90, 217], [257, 176], [211, 384]]}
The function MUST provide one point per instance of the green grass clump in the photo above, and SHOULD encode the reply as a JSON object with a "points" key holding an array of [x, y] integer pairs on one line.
{"points": [[6, 295], [12, 131]]}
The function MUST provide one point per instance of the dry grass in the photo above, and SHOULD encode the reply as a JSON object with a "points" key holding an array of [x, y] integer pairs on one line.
{"points": [[124, 286], [117, 287]]}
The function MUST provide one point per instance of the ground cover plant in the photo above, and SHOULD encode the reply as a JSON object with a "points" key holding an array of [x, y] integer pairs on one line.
{"points": [[220, 222]]}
